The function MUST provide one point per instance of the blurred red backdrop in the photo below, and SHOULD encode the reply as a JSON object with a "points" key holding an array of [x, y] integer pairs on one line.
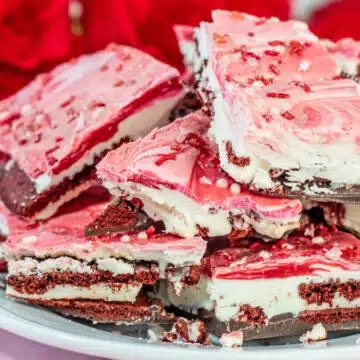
{"points": [[35, 35]]}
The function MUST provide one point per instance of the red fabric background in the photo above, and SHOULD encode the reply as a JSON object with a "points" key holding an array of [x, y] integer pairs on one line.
{"points": [[337, 20], [35, 35]]}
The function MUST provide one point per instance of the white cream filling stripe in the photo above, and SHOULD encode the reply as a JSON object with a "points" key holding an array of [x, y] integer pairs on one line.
{"points": [[181, 214], [127, 292], [30, 266]]}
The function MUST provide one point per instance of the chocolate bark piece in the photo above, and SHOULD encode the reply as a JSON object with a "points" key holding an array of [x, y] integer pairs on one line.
{"points": [[287, 325], [273, 133], [19, 194], [143, 310], [175, 172], [256, 287], [60, 124], [121, 216]]}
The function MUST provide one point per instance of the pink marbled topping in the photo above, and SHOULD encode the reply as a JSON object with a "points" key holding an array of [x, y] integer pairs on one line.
{"points": [[298, 255], [323, 116], [181, 157], [64, 235], [61, 115], [244, 47], [230, 31], [348, 48]]}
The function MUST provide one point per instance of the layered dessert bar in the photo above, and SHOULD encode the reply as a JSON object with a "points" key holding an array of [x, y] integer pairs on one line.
{"points": [[281, 113], [278, 289], [105, 278], [254, 46], [64, 121], [175, 173]]}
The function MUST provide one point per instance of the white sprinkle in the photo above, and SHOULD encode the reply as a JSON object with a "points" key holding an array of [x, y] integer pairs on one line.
{"points": [[125, 238], [205, 180], [309, 231], [258, 84], [29, 239], [279, 48], [274, 19], [287, 246], [98, 111], [39, 118], [4, 114], [26, 110], [9, 164], [304, 66], [264, 254], [142, 235], [334, 253], [233, 339], [318, 240], [318, 332], [221, 183], [80, 122], [235, 188], [275, 111]]}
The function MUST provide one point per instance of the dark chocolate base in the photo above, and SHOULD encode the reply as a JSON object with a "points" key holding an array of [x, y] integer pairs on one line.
{"points": [[120, 217], [286, 325], [189, 104], [19, 195], [144, 310], [342, 194]]}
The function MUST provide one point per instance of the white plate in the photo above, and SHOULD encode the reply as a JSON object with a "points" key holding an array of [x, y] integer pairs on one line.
{"points": [[48, 328]]}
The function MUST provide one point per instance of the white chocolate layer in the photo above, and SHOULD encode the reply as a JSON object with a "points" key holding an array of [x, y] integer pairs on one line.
{"points": [[31, 266], [125, 292], [181, 214]]}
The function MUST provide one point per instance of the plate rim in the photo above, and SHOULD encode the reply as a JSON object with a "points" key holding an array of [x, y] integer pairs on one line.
{"points": [[107, 348]]}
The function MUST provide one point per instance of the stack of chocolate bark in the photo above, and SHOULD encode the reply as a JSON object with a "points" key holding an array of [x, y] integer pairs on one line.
{"points": [[241, 216], [53, 132]]}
